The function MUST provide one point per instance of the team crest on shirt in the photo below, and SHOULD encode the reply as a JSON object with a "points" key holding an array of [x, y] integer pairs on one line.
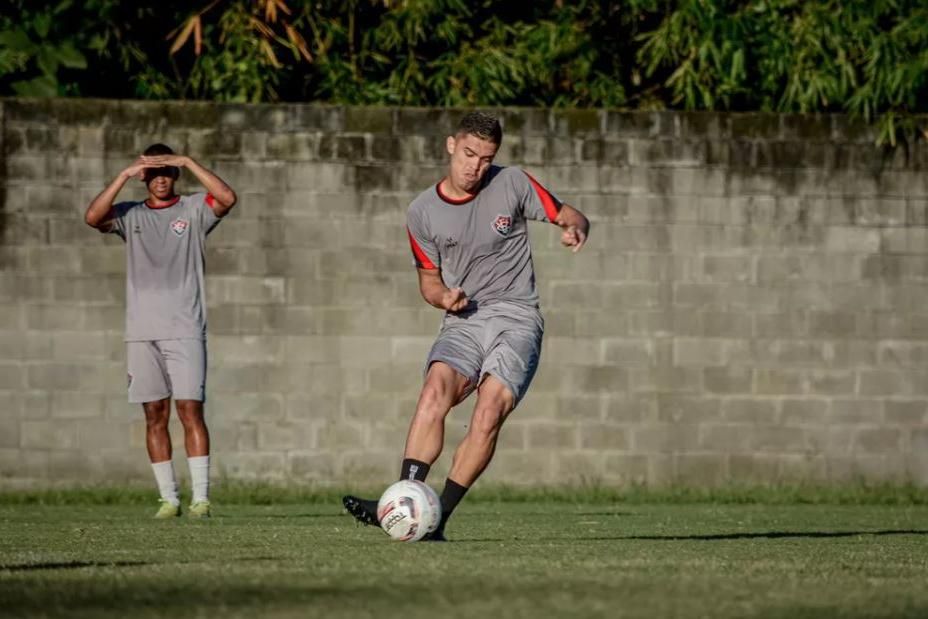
{"points": [[503, 224], [179, 226]]}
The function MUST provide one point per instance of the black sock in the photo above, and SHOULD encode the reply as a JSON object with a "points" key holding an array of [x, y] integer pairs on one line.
{"points": [[450, 497], [414, 469]]}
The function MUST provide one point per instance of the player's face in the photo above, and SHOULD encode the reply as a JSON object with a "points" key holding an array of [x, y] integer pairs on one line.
{"points": [[470, 159], [160, 182]]}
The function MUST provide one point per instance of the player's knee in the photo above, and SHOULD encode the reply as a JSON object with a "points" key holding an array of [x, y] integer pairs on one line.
{"points": [[487, 421], [434, 402], [156, 419], [190, 412], [156, 409]]}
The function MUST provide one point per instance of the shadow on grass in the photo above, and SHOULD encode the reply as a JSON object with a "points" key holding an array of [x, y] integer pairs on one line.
{"points": [[68, 565], [772, 535], [245, 594], [112, 598], [601, 514], [705, 538], [77, 565], [279, 516]]}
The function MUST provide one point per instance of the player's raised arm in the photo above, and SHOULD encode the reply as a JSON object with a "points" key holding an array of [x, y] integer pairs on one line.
{"points": [[223, 195], [99, 213], [576, 227], [438, 295]]}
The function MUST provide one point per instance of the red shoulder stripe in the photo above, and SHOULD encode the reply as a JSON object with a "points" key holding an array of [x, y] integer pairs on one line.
{"points": [[211, 200], [422, 260], [552, 208]]}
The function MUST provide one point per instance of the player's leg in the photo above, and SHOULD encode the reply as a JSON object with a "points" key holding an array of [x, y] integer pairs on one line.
{"points": [[157, 437], [196, 433], [495, 401], [452, 372], [149, 386], [186, 363], [158, 442], [443, 389], [196, 441], [507, 372]]}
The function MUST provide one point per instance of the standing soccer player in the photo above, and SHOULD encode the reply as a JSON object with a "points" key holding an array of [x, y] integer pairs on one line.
{"points": [[165, 309], [469, 239]]}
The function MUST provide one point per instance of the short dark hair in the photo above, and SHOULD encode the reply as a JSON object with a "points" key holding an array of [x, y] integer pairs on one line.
{"points": [[481, 125], [158, 149]]}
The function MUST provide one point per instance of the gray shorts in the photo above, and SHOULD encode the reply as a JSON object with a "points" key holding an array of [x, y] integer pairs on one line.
{"points": [[501, 340], [165, 368]]}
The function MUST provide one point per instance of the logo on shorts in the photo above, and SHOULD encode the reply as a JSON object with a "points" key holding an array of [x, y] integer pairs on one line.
{"points": [[179, 226], [129, 381], [503, 224]]}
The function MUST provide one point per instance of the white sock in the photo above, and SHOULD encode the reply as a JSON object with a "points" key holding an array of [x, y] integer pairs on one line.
{"points": [[199, 477], [167, 483]]}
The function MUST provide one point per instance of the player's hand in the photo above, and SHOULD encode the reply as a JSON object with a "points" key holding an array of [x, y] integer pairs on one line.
{"points": [[574, 238], [454, 300], [160, 161], [136, 170]]}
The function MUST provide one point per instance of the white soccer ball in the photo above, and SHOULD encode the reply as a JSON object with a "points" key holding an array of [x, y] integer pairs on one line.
{"points": [[409, 510]]}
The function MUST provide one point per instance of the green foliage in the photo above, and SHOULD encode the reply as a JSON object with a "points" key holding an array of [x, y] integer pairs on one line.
{"points": [[864, 57], [234, 65], [34, 52], [52, 48], [868, 58]]}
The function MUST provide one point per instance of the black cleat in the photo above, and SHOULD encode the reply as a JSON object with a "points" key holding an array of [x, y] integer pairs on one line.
{"points": [[363, 510], [438, 535]]}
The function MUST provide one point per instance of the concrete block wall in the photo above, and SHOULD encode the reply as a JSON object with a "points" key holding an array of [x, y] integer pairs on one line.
{"points": [[751, 306]]}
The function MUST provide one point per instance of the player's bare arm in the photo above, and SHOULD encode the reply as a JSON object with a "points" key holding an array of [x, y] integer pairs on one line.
{"points": [[438, 295], [98, 214], [576, 227], [225, 197]]}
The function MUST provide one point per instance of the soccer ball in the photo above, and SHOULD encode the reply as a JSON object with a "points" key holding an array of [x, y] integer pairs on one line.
{"points": [[409, 510]]}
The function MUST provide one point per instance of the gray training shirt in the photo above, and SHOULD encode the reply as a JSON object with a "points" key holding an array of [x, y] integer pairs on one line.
{"points": [[481, 243], [165, 266]]}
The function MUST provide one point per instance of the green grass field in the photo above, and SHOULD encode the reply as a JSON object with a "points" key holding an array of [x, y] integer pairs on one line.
{"points": [[98, 554]]}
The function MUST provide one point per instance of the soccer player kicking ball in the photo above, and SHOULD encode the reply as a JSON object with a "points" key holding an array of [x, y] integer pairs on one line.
{"points": [[469, 239], [165, 311]]}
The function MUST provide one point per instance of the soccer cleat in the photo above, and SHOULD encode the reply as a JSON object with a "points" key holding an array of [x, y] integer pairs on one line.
{"points": [[200, 509], [167, 510], [363, 510], [438, 535]]}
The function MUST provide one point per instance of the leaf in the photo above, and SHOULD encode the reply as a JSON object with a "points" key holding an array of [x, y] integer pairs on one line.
{"points": [[17, 40], [261, 27], [298, 41], [47, 61], [69, 56], [198, 38], [43, 86], [269, 52], [737, 65], [185, 33], [270, 11], [63, 6], [272, 6], [41, 24]]}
